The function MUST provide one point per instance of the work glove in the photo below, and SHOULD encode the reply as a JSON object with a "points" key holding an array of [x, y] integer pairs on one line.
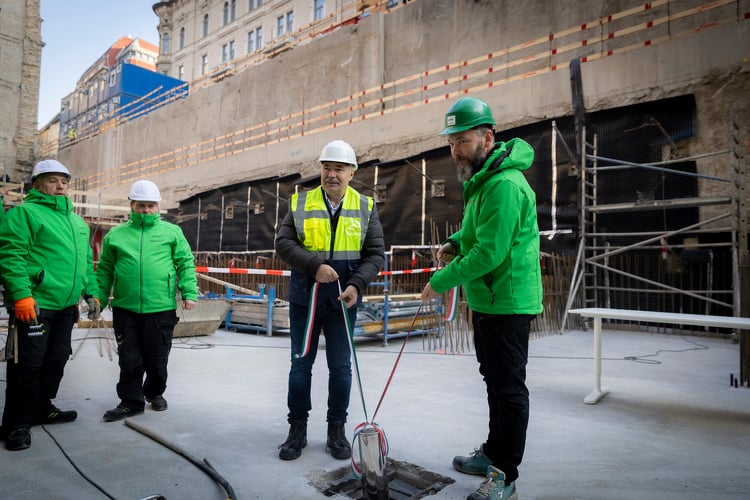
{"points": [[26, 310], [94, 307]]}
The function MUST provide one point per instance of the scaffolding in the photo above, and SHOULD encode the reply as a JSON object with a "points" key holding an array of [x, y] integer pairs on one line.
{"points": [[597, 269]]}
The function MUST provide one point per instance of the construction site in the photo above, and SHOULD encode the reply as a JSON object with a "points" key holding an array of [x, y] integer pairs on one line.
{"points": [[638, 116], [636, 113]]}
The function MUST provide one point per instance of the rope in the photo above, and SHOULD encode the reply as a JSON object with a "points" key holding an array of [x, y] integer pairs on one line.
{"points": [[382, 439], [398, 358], [368, 423], [350, 337]]}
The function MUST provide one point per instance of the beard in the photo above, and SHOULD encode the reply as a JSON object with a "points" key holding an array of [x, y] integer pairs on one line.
{"points": [[473, 165]]}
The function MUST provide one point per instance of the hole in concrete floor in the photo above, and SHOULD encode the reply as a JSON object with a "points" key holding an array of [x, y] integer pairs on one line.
{"points": [[405, 482]]}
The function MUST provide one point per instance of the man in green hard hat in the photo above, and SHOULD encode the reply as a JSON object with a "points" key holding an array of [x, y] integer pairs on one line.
{"points": [[495, 256]]}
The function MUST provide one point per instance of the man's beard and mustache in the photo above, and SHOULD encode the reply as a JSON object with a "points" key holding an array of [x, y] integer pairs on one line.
{"points": [[475, 164]]}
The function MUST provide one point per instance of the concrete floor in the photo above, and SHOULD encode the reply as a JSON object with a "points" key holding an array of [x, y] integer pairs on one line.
{"points": [[671, 428]]}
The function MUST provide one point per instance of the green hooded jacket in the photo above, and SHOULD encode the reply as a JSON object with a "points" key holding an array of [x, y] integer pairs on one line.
{"points": [[144, 261], [45, 252], [497, 258]]}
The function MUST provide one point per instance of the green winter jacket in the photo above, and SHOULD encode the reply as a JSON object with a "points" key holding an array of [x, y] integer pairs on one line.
{"points": [[144, 262], [45, 253], [497, 258]]}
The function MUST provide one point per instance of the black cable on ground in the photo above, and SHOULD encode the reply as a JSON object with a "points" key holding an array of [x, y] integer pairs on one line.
{"points": [[91, 481], [204, 465]]}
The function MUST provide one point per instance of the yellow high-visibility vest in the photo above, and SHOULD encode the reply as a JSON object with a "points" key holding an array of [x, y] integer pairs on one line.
{"points": [[313, 223]]}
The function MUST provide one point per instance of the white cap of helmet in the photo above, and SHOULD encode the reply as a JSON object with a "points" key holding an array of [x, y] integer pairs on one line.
{"points": [[49, 167], [339, 151], [144, 190]]}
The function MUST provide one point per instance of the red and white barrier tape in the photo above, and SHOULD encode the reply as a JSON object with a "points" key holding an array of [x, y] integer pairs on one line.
{"points": [[279, 272]]}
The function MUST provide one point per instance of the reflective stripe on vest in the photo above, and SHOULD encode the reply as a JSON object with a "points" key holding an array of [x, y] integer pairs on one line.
{"points": [[313, 224]]}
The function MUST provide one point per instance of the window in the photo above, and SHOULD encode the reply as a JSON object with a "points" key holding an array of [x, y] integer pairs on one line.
{"points": [[165, 43], [112, 79], [205, 25], [224, 52], [318, 10], [226, 12], [254, 40], [182, 37], [233, 10], [232, 50], [279, 25], [254, 4], [289, 22], [204, 64], [181, 72]]}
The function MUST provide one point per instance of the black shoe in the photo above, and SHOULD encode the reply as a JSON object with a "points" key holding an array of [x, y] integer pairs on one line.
{"points": [[18, 439], [120, 412], [337, 444], [295, 441], [55, 415], [158, 403]]}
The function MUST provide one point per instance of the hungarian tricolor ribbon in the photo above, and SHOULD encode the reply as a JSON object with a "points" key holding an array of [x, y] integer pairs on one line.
{"points": [[452, 305], [305, 348]]}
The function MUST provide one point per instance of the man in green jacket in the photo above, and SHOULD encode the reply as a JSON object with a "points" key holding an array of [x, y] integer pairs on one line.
{"points": [[495, 256], [46, 264], [144, 262]]}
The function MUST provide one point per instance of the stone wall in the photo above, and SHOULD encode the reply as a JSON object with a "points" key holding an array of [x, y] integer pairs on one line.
{"points": [[20, 62]]}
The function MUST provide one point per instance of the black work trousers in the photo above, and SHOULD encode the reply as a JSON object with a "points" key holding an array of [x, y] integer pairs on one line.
{"points": [[143, 345], [502, 348], [33, 381]]}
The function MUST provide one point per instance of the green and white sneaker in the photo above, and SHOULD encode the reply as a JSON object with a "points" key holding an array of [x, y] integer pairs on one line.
{"points": [[475, 464], [494, 488]]}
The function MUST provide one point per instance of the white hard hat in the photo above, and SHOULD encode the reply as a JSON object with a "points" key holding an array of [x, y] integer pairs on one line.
{"points": [[339, 151], [49, 167], [144, 191]]}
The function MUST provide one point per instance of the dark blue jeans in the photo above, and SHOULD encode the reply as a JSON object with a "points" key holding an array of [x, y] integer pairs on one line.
{"points": [[143, 345], [330, 320], [502, 348], [43, 352]]}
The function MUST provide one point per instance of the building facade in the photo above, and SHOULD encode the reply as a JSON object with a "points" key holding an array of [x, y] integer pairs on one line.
{"points": [[205, 39], [20, 63], [664, 81], [121, 84]]}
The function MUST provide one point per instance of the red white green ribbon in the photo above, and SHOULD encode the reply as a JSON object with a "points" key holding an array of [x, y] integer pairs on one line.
{"points": [[305, 349], [452, 305]]}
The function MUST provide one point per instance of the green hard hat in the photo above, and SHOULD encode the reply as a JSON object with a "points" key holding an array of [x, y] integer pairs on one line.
{"points": [[466, 113]]}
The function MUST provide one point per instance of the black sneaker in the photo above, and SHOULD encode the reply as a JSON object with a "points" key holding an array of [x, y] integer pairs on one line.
{"points": [[18, 439], [120, 412], [57, 416], [158, 403]]}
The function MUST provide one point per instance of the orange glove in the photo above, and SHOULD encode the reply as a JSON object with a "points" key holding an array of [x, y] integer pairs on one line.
{"points": [[26, 309]]}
